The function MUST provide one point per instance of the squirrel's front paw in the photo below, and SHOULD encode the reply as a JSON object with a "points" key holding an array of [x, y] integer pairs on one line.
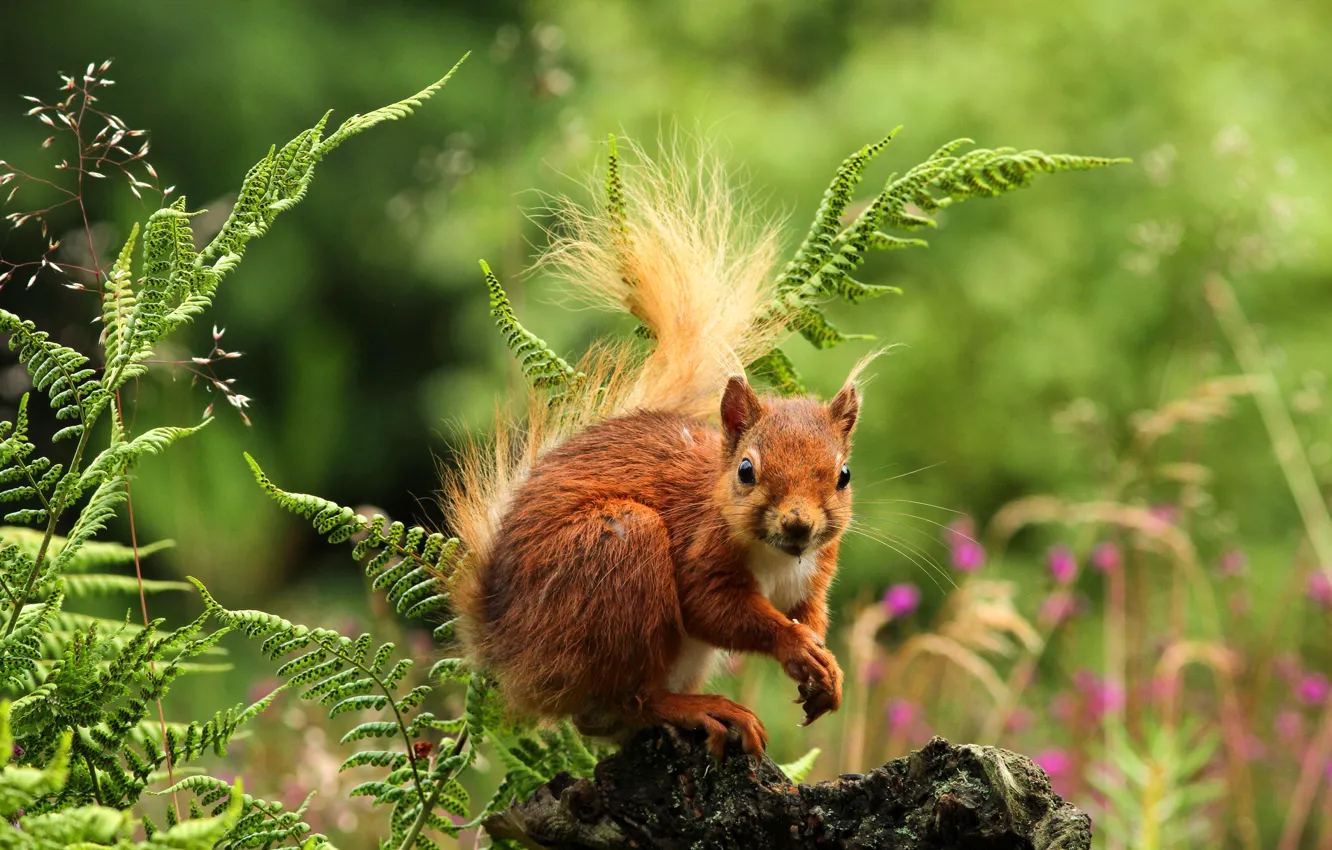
{"points": [[815, 670]]}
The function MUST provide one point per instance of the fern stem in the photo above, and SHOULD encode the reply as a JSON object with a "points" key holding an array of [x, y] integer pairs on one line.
{"points": [[336, 651], [143, 604], [55, 512], [429, 806], [92, 774], [402, 724]]}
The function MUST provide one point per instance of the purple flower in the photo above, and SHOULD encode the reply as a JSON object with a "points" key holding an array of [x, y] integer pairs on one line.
{"points": [[1053, 762], [900, 714], [1166, 513], [1313, 688], [1063, 707], [1058, 607], [1107, 558], [900, 600], [1232, 563], [1289, 725], [1063, 566], [968, 555], [1253, 748], [1103, 696], [17, 752], [872, 672], [1163, 689], [1320, 588], [1019, 721]]}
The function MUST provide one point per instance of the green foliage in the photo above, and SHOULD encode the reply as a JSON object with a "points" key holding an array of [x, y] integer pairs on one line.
{"points": [[542, 366], [88, 691], [344, 674], [822, 265], [1160, 791], [24, 791], [251, 822], [797, 770]]}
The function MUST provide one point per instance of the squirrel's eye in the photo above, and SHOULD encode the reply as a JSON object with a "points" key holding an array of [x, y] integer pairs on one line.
{"points": [[746, 472], [844, 477]]}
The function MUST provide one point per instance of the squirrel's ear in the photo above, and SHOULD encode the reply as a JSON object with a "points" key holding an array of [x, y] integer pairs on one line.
{"points": [[845, 407], [740, 409]]}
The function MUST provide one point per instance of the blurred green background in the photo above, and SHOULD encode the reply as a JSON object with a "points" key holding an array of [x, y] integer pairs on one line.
{"points": [[362, 316]]}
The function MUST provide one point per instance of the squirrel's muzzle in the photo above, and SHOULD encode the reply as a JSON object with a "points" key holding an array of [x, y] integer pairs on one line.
{"points": [[796, 526]]}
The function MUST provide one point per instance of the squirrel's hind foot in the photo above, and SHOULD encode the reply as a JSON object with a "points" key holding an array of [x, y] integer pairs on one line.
{"points": [[716, 715]]}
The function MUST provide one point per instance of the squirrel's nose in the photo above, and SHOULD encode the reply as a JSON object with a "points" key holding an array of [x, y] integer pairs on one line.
{"points": [[796, 525]]}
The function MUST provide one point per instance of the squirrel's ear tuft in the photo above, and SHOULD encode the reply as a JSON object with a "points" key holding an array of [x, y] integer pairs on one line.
{"points": [[845, 407], [740, 409]]}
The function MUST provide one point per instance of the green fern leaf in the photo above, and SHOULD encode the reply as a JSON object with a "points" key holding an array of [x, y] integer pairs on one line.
{"points": [[777, 371], [797, 770], [539, 363], [401, 109]]}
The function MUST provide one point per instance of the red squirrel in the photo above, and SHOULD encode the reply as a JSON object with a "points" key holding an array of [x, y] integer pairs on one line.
{"points": [[621, 538]]}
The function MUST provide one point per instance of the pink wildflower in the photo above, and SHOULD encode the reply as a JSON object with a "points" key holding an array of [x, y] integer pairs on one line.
{"points": [[1063, 707], [1320, 588], [900, 714], [1019, 721], [1107, 558], [968, 555], [1232, 563], [1054, 762], [1063, 566], [1102, 695], [872, 672], [1313, 688], [1058, 607], [1165, 513], [1289, 725], [901, 600]]}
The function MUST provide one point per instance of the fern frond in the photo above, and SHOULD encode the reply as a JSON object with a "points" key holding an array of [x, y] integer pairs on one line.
{"points": [[22, 647], [777, 371], [252, 822], [408, 562], [797, 770], [392, 112], [35, 477], [819, 243], [93, 555], [118, 302], [60, 372], [539, 363], [823, 263], [106, 584]]}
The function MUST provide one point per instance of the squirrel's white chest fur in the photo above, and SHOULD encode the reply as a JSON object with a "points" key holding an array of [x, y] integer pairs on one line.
{"points": [[782, 578]]}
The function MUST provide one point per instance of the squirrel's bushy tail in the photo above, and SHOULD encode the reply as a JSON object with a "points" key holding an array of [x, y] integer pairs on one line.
{"points": [[675, 247]]}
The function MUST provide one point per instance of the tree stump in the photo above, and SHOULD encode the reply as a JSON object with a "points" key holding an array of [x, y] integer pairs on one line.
{"points": [[664, 790]]}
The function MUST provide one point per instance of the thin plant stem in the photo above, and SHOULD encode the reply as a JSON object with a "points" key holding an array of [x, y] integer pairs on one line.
{"points": [[55, 512], [143, 604], [861, 644], [1116, 636], [1286, 443], [429, 805], [1312, 767]]}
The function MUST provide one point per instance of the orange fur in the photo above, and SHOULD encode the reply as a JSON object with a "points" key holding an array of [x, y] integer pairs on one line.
{"points": [[613, 540]]}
